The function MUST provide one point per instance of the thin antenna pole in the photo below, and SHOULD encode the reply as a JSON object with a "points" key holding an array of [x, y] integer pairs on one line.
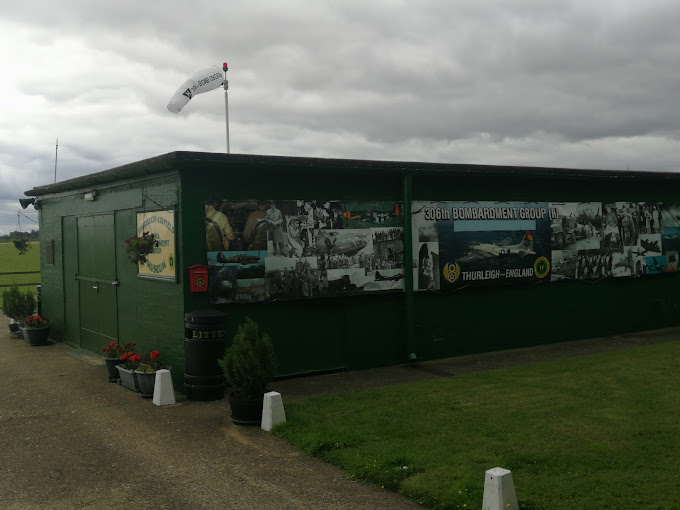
{"points": [[226, 101], [56, 150]]}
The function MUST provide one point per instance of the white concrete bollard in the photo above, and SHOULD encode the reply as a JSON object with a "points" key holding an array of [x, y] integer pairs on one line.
{"points": [[499, 490], [272, 410], [163, 391]]}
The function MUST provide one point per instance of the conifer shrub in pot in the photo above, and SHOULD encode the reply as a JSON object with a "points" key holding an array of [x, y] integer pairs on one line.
{"points": [[10, 303], [17, 304], [248, 367]]}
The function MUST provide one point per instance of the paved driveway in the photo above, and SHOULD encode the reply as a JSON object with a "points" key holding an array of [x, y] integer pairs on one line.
{"points": [[69, 439]]}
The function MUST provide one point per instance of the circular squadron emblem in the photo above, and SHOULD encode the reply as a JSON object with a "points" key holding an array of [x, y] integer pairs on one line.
{"points": [[451, 272], [541, 267]]}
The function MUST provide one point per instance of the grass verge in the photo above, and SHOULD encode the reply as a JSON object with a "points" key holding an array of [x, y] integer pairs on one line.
{"points": [[596, 432]]}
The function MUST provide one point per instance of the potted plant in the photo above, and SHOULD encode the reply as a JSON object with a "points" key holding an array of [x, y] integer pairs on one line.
{"points": [[146, 373], [126, 370], [138, 247], [248, 367], [22, 244], [37, 330], [16, 305], [112, 354], [10, 300]]}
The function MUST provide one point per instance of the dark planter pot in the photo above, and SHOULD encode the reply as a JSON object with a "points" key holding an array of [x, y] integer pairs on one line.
{"points": [[36, 337], [246, 411], [128, 378], [14, 328], [112, 369], [147, 383]]}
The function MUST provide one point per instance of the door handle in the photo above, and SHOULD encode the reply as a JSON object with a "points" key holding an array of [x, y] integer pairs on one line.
{"points": [[115, 283], [96, 287]]}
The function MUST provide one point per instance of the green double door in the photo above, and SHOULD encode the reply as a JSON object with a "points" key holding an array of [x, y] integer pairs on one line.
{"points": [[97, 282]]}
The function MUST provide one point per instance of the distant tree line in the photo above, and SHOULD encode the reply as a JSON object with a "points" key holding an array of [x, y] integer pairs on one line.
{"points": [[32, 235]]}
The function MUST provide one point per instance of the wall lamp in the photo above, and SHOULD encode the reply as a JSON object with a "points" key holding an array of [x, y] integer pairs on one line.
{"points": [[89, 196]]}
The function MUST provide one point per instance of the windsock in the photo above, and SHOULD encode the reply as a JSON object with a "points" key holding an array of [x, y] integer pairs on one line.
{"points": [[204, 80]]}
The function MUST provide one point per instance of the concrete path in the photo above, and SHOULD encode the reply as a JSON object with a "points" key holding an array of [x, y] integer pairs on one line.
{"points": [[70, 440]]}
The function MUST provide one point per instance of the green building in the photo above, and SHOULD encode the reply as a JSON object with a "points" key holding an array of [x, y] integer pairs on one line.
{"points": [[359, 263]]}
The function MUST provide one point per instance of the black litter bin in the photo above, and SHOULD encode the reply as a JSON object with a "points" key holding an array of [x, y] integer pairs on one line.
{"points": [[204, 345]]}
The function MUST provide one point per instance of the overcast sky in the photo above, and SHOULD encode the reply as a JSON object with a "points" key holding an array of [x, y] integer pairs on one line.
{"points": [[584, 84]]}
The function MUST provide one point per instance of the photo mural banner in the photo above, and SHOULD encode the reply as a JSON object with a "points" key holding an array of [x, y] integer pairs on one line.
{"points": [[262, 250], [457, 244]]}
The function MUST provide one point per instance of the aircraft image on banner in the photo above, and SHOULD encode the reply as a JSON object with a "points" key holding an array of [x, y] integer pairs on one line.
{"points": [[647, 246], [237, 259], [382, 278], [477, 251], [347, 242]]}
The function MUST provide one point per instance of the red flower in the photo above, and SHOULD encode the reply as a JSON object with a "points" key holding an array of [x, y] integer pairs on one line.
{"points": [[112, 344], [346, 214], [135, 358], [154, 354]]}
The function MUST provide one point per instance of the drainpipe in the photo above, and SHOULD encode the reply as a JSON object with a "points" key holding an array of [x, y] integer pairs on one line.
{"points": [[410, 347]]}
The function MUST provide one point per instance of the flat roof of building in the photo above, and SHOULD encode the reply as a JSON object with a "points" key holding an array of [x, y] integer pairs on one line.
{"points": [[195, 161]]}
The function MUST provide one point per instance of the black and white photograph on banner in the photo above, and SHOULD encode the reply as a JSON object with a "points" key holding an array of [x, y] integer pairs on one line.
{"points": [[424, 222], [222, 283], [321, 215], [628, 262], [294, 278], [631, 222], [564, 264], [426, 267], [650, 247], [670, 217], [611, 235], [649, 244], [301, 237], [640, 227], [577, 226], [345, 248], [593, 265], [388, 248], [346, 281]]}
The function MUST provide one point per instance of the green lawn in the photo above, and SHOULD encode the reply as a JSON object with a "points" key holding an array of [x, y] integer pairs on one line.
{"points": [[593, 432], [11, 261]]}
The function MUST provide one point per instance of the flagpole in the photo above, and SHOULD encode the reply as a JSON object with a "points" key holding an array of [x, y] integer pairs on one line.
{"points": [[56, 150], [226, 101]]}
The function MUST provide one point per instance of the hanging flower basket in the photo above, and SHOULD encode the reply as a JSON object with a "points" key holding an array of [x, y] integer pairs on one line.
{"points": [[22, 244], [138, 247]]}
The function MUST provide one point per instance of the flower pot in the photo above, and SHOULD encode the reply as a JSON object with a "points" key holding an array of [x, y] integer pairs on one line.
{"points": [[128, 378], [14, 328], [147, 383], [246, 411], [112, 368], [38, 336]]}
